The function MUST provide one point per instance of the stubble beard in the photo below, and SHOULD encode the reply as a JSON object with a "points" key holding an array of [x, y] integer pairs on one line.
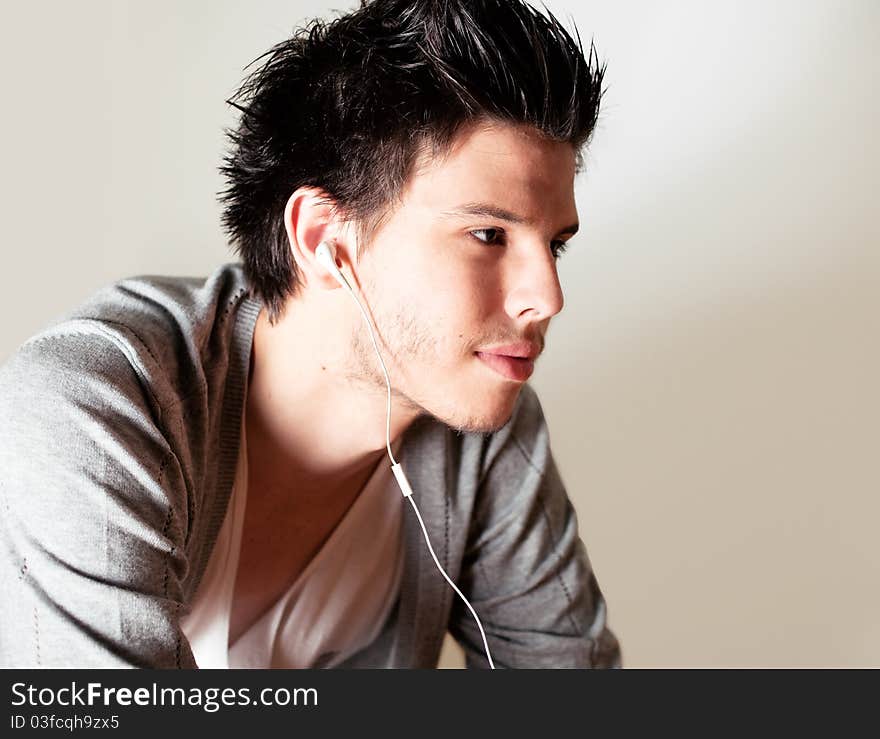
{"points": [[413, 347]]}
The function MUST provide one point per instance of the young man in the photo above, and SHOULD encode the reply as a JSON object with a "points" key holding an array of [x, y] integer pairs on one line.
{"points": [[194, 473]]}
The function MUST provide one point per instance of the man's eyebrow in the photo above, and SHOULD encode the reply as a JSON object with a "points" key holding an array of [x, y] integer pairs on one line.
{"points": [[493, 211]]}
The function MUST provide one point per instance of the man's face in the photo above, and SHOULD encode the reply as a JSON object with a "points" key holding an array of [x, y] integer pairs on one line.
{"points": [[461, 278]]}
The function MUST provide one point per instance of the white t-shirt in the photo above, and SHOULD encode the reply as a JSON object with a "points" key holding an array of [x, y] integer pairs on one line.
{"points": [[337, 605]]}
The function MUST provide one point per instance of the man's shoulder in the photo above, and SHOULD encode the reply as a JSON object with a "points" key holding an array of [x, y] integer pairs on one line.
{"points": [[526, 431], [160, 310], [158, 327], [524, 438]]}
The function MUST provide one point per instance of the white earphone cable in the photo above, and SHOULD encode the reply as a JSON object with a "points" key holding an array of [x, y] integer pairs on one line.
{"points": [[452, 584], [382, 362], [401, 477]]}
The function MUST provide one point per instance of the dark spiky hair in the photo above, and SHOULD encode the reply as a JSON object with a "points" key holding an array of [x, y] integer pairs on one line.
{"points": [[347, 107]]}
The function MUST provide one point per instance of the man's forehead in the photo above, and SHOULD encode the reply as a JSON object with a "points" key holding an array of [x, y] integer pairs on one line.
{"points": [[505, 166], [502, 145]]}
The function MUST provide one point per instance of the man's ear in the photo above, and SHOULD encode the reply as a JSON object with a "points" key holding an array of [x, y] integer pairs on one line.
{"points": [[309, 219]]}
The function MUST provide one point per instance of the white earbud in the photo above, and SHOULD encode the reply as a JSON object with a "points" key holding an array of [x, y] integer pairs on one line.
{"points": [[326, 256]]}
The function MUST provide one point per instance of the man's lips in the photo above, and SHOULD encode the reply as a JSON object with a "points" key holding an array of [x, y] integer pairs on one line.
{"points": [[520, 350], [518, 368]]}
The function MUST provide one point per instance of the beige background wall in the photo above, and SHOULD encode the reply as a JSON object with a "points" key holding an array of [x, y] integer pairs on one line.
{"points": [[711, 386]]}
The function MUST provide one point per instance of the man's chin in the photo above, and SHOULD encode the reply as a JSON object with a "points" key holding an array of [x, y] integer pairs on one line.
{"points": [[479, 426], [479, 418]]}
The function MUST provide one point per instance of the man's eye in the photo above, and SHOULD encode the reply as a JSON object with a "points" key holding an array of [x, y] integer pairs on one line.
{"points": [[489, 235], [496, 236]]}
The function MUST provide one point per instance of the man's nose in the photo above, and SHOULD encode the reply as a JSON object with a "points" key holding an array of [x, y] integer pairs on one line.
{"points": [[534, 292]]}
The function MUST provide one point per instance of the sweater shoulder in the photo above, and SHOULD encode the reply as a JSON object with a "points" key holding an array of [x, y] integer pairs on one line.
{"points": [[175, 320], [169, 329]]}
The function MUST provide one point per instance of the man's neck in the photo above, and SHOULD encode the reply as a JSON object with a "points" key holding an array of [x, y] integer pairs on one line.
{"points": [[308, 427]]}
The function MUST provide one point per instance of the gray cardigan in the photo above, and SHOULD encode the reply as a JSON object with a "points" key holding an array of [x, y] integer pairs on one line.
{"points": [[120, 431]]}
